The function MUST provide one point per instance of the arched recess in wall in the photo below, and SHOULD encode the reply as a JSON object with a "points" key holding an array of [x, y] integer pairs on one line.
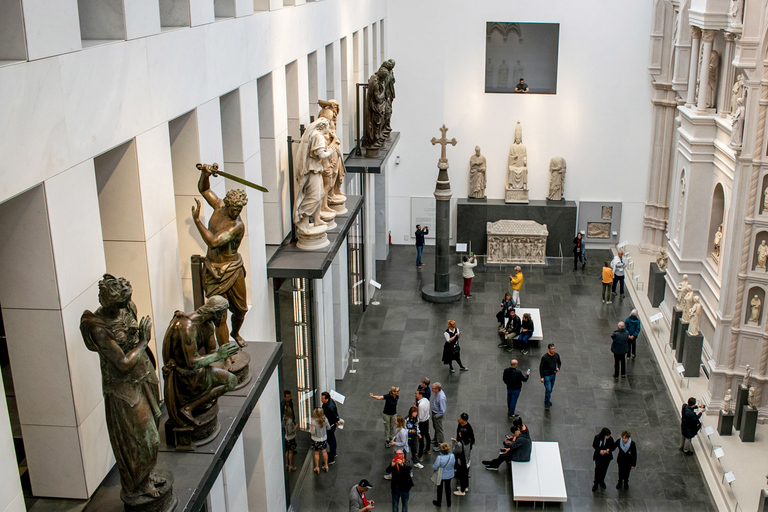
{"points": [[755, 305], [760, 252], [715, 221]]}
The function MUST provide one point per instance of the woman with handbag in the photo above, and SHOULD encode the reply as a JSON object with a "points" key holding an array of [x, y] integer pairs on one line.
{"points": [[443, 467], [451, 348]]}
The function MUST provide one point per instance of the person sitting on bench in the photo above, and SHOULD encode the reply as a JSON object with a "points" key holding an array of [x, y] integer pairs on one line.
{"points": [[526, 331], [507, 305], [510, 332], [519, 450]]}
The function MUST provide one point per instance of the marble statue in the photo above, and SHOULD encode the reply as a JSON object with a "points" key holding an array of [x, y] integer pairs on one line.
{"points": [[389, 94], [751, 400], [333, 166], [516, 190], [517, 241], [694, 317], [489, 73], [308, 175], [477, 168], [192, 384], [374, 113], [718, 240], [662, 260], [683, 289], [737, 7], [737, 124], [747, 375], [714, 63], [737, 91], [224, 271], [762, 255], [131, 395], [754, 311], [688, 304], [765, 201], [517, 71], [556, 178], [727, 401], [503, 75]]}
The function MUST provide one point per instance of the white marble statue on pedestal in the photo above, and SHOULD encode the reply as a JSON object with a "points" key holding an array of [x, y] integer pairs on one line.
{"points": [[737, 91], [694, 317], [516, 190], [333, 166], [754, 310], [737, 124], [747, 374], [308, 176], [662, 260], [688, 304], [556, 178], [751, 400], [762, 255], [682, 289], [477, 169], [727, 401]]}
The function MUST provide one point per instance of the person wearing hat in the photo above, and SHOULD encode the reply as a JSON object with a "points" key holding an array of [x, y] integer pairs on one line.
{"points": [[357, 500]]}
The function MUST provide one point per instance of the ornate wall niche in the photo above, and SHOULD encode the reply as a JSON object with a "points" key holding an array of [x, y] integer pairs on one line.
{"points": [[757, 308], [760, 237], [716, 219], [763, 198]]}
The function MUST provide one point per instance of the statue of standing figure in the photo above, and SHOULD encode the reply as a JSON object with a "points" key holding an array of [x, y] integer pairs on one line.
{"points": [[131, 395], [751, 400], [737, 124], [747, 375], [737, 91], [503, 75], [727, 401], [682, 290], [717, 242], [662, 260], [477, 168], [688, 304], [516, 190], [694, 317], [374, 114], [754, 310], [389, 94], [556, 179], [714, 64], [762, 255], [333, 166], [309, 190]]}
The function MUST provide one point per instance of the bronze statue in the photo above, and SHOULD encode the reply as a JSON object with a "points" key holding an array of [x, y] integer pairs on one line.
{"points": [[192, 384], [375, 112], [224, 272], [131, 399], [389, 94]]}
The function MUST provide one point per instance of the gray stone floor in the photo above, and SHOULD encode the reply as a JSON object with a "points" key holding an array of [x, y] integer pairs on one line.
{"points": [[401, 342]]}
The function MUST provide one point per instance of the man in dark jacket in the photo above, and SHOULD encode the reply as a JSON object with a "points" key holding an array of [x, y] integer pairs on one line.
{"points": [[462, 450], [690, 425], [548, 367], [619, 347], [514, 379], [511, 331], [420, 234], [401, 482], [519, 451], [626, 457], [332, 415], [633, 329]]}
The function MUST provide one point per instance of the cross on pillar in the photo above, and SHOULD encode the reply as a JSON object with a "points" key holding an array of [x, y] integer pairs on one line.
{"points": [[443, 142]]}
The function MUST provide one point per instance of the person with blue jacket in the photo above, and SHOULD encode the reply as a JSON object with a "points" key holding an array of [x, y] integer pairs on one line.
{"points": [[632, 325], [445, 460]]}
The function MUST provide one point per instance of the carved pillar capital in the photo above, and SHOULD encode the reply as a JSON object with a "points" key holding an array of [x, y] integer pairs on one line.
{"points": [[708, 35], [695, 32], [730, 37]]}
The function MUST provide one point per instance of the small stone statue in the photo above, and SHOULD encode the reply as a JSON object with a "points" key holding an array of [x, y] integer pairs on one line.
{"points": [[477, 168], [694, 317], [309, 186], [192, 385], [681, 295], [754, 313], [131, 397], [662, 260], [751, 398], [718, 240], [762, 255], [737, 92], [727, 401], [374, 115], [714, 64], [747, 375], [224, 272], [737, 124], [688, 304], [556, 179]]}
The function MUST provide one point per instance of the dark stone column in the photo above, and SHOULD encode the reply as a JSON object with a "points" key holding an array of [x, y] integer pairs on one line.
{"points": [[741, 401], [656, 285], [676, 316]]}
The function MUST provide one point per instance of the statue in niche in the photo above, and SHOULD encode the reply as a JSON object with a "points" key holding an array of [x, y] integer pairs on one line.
{"points": [[747, 375], [374, 115], [477, 168], [754, 310], [718, 240], [737, 124], [556, 179], [131, 397], [192, 384], [688, 304], [224, 272], [662, 260], [309, 186], [714, 63], [737, 91], [489, 73], [333, 166], [503, 75], [694, 317], [517, 71], [737, 7], [682, 289], [727, 401], [389, 94], [517, 170], [680, 206], [751, 400], [765, 201], [762, 255]]}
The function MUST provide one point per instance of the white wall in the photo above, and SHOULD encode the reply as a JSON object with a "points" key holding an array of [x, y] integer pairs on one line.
{"points": [[599, 121]]}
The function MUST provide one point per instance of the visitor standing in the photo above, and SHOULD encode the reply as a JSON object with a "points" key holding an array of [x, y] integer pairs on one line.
{"points": [[451, 347], [399, 472], [619, 347], [607, 279], [506, 306], [389, 413], [516, 282], [578, 252], [514, 379], [602, 445], [446, 462], [618, 265], [467, 264], [632, 324], [289, 436], [414, 435], [438, 406], [358, 502], [425, 387], [318, 429], [420, 234], [690, 425], [462, 451], [548, 367], [424, 409], [332, 415], [626, 458]]}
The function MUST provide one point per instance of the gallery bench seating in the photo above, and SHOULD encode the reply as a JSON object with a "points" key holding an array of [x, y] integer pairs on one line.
{"points": [[540, 479]]}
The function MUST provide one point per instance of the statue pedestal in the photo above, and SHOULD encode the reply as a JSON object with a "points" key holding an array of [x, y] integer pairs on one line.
{"points": [[741, 401], [338, 205], [682, 329], [691, 353], [483, 199], [676, 316], [748, 424], [239, 367], [514, 195], [762, 506], [657, 284], [725, 424], [188, 437], [312, 241]]}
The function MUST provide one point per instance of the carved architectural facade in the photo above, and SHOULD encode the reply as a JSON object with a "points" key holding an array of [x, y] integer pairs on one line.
{"points": [[517, 241]]}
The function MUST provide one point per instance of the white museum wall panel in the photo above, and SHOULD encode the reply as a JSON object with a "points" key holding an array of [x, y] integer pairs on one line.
{"points": [[599, 120]]}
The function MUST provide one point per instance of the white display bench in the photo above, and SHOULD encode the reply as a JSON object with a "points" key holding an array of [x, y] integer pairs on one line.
{"points": [[538, 329], [540, 479]]}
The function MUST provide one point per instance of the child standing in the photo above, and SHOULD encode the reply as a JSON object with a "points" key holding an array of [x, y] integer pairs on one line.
{"points": [[605, 295]]}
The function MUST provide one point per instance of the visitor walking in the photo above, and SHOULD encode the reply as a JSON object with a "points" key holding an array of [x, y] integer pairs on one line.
{"points": [[548, 367], [451, 348], [467, 264], [516, 282], [618, 265], [401, 483], [446, 462], [289, 436], [619, 347], [607, 279], [514, 379], [690, 425], [578, 252], [462, 450], [390, 410], [632, 324], [602, 445], [420, 234], [626, 458]]}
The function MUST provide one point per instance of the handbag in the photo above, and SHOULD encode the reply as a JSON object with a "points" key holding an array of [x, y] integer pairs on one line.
{"points": [[456, 347], [437, 476]]}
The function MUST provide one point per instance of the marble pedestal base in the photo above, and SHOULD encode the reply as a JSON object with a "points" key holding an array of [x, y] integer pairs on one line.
{"points": [[691, 357], [741, 400], [513, 195], [725, 424], [748, 424], [762, 505], [656, 285], [338, 205], [682, 329], [312, 242], [453, 294], [676, 316]]}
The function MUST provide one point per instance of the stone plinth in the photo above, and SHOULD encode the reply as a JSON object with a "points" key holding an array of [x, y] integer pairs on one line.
{"points": [[516, 241], [748, 424], [691, 357], [762, 505], [741, 401], [656, 285], [682, 329], [676, 316], [725, 424], [515, 195]]}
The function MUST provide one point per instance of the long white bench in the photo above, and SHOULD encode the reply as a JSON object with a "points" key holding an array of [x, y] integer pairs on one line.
{"points": [[540, 479]]}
